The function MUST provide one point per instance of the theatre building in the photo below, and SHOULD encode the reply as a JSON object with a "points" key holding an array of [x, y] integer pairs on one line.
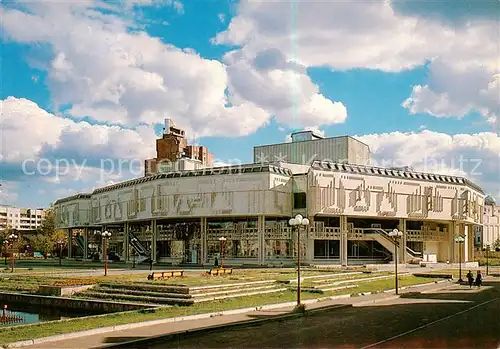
{"points": [[177, 212]]}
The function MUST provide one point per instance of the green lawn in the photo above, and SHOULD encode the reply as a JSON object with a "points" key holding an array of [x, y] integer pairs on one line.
{"points": [[12, 334]]}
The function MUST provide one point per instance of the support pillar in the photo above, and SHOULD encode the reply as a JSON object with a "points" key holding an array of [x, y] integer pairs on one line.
{"points": [[454, 232], [85, 243], [126, 242], [261, 225], [310, 241], [344, 238], [204, 244], [154, 232], [70, 242], [403, 256]]}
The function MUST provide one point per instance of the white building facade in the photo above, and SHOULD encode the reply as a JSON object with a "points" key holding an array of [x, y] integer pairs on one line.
{"points": [[178, 217], [22, 219], [491, 228]]}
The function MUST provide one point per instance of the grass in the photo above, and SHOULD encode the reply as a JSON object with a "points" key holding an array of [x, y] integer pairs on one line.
{"points": [[19, 333], [30, 281], [493, 262]]}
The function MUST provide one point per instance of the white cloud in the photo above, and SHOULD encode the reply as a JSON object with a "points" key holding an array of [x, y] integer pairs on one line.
{"points": [[383, 35], [29, 132], [114, 75], [474, 156], [281, 87], [8, 194]]}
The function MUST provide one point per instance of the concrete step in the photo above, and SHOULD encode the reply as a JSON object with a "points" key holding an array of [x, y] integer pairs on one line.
{"points": [[143, 299], [141, 293], [220, 287], [233, 291], [207, 299], [148, 287]]}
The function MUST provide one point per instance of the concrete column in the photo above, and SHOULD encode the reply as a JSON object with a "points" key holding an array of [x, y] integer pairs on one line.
{"points": [[261, 224], [454, 232], [70, 242], [402, 258], [465, 244], [450, 242], [310, 242], [203, 234], [126, 242], [343, 240], [85, 243], [153, 239]]}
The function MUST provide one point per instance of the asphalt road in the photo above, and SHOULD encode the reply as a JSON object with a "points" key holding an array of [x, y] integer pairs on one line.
{"points": [[456, 318]]}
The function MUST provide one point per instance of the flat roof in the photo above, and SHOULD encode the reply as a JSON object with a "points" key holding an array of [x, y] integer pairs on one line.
{"points": [[312, 140]]}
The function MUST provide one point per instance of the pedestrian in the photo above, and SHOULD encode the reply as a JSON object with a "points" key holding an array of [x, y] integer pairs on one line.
{"points": [[479, 279], [470, 278]]}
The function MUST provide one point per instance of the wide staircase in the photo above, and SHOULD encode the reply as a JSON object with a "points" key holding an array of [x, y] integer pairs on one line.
{"points": [[162, 295], [140, 293]]}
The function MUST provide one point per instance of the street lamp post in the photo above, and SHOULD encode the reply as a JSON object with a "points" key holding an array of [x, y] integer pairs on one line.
{"points": [[106, 235], [133, 240], [459, 240], [60, 243], [13, 238], [222, 244], [5, 247], [487, 258], [298, 222], [396, 234]]}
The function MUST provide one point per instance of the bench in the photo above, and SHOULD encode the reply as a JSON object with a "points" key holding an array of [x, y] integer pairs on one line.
{"points": [[221, 271], [161, 275]]}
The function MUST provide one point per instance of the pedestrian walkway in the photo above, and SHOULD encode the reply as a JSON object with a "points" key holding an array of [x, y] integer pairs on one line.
{"points": [[103, 339]]}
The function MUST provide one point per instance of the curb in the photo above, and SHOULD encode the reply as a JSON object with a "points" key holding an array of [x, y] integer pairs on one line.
{"points": [[146, 342], [193, 317]]}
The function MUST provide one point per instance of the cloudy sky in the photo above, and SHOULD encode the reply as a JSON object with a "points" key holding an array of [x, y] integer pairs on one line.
{"points": [[86, 84]]}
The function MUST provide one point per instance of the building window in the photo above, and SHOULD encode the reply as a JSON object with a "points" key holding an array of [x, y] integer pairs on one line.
{"points": [[299, 200], [326, 249]]}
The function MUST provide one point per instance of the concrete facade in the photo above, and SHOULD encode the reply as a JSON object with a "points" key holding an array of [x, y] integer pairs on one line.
{"points": [[491, 228], [179, 217]]}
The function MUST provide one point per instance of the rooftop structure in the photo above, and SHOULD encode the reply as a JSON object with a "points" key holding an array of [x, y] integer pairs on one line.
{"points": [[307, 147], [174, 154]]}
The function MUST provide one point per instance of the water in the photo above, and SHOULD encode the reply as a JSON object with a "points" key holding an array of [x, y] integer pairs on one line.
{"points": [[31, 315]]}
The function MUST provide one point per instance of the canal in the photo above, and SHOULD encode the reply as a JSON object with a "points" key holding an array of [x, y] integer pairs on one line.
{"points": [[22, 314]]}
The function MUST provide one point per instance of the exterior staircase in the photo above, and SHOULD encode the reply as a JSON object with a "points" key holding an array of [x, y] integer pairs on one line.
{"points": [[143, 254], [383, 238]]}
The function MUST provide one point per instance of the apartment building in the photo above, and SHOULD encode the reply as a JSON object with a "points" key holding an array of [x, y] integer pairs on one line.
{"points": [[22, 219]]}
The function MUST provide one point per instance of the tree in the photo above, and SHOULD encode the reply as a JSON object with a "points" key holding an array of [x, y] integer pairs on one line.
{"points": [[42, 243], [58, 236], [48, 226], [496, 244]]}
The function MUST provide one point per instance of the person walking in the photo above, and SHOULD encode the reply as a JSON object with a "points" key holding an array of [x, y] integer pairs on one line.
{"points": [[470, 278], [479, 279]]}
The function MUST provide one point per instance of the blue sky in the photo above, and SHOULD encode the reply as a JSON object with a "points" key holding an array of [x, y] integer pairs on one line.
{"points": [[89, 82]]}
